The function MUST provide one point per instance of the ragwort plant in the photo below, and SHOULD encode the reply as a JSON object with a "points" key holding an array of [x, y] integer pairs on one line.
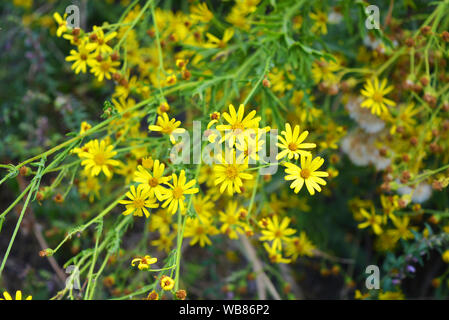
{"points": [[365, 111]]}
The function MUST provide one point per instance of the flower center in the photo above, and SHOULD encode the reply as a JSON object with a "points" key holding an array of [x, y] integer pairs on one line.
{"points": [[377, 97], [292, 146], [305, 173], [105, 66], [168, 129], [178, 192], [138, 204], [231, 172], [100, 159], [199, 230], [238, 126], [153, 182]]}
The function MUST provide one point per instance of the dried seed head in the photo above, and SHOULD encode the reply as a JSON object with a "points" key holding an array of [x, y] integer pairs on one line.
{"points": [[24, 171], [426, 30], [445, 36], [181, 294]]}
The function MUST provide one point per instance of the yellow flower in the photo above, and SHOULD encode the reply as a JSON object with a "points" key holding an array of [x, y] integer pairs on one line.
{"points": [[199, 230], [62, 24], [153, 295], [372, 220], [98, 158], [147, 162], [293, 143], [100, 41], [7, 296], [163, 108], [375, 100], [203, 205], [306, 174], [167, 283], [300, 246], [83, 57], [237, 124], [90, 187], [144, 263], [230, 175], [167, 126], [139, 201], [164, 243], [214, 42], [201, 13], [402, 228], [320, 19], [323, 70], [250, 147], [277, 232], [175, 196], [230, 219], [445, 256], [404, 118], [389, 295], [152, 182], [104, 68], [274, 255], [359, 296], [84, 127]]}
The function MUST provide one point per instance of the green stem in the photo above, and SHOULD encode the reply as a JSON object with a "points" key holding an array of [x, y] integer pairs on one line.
{"points": [[22, 213]]}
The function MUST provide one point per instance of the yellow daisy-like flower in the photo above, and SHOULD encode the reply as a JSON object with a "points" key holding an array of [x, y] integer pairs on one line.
{"points": [[324, 70], [375, 96], [201, 13], [231, 175], [274, 255], [306, 174], [84, 127], [277, 232], [372, 219], [320, 19], [300, 246], [293, 143], [7, 296], [402, 230], [140, 199], [167, 283], [98, 158], [101, 41], [231, 220], [163, 108], [83, 57], [147, 162], [237, 124], [152, 182], [250, 147], [167, 126], [200, 231], [175, 196], [62, 24], [104, 68], [144, 263], [215, 42]]}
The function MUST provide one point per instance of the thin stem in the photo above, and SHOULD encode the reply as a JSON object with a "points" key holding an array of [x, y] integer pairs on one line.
{"points": [[22, 213]]}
